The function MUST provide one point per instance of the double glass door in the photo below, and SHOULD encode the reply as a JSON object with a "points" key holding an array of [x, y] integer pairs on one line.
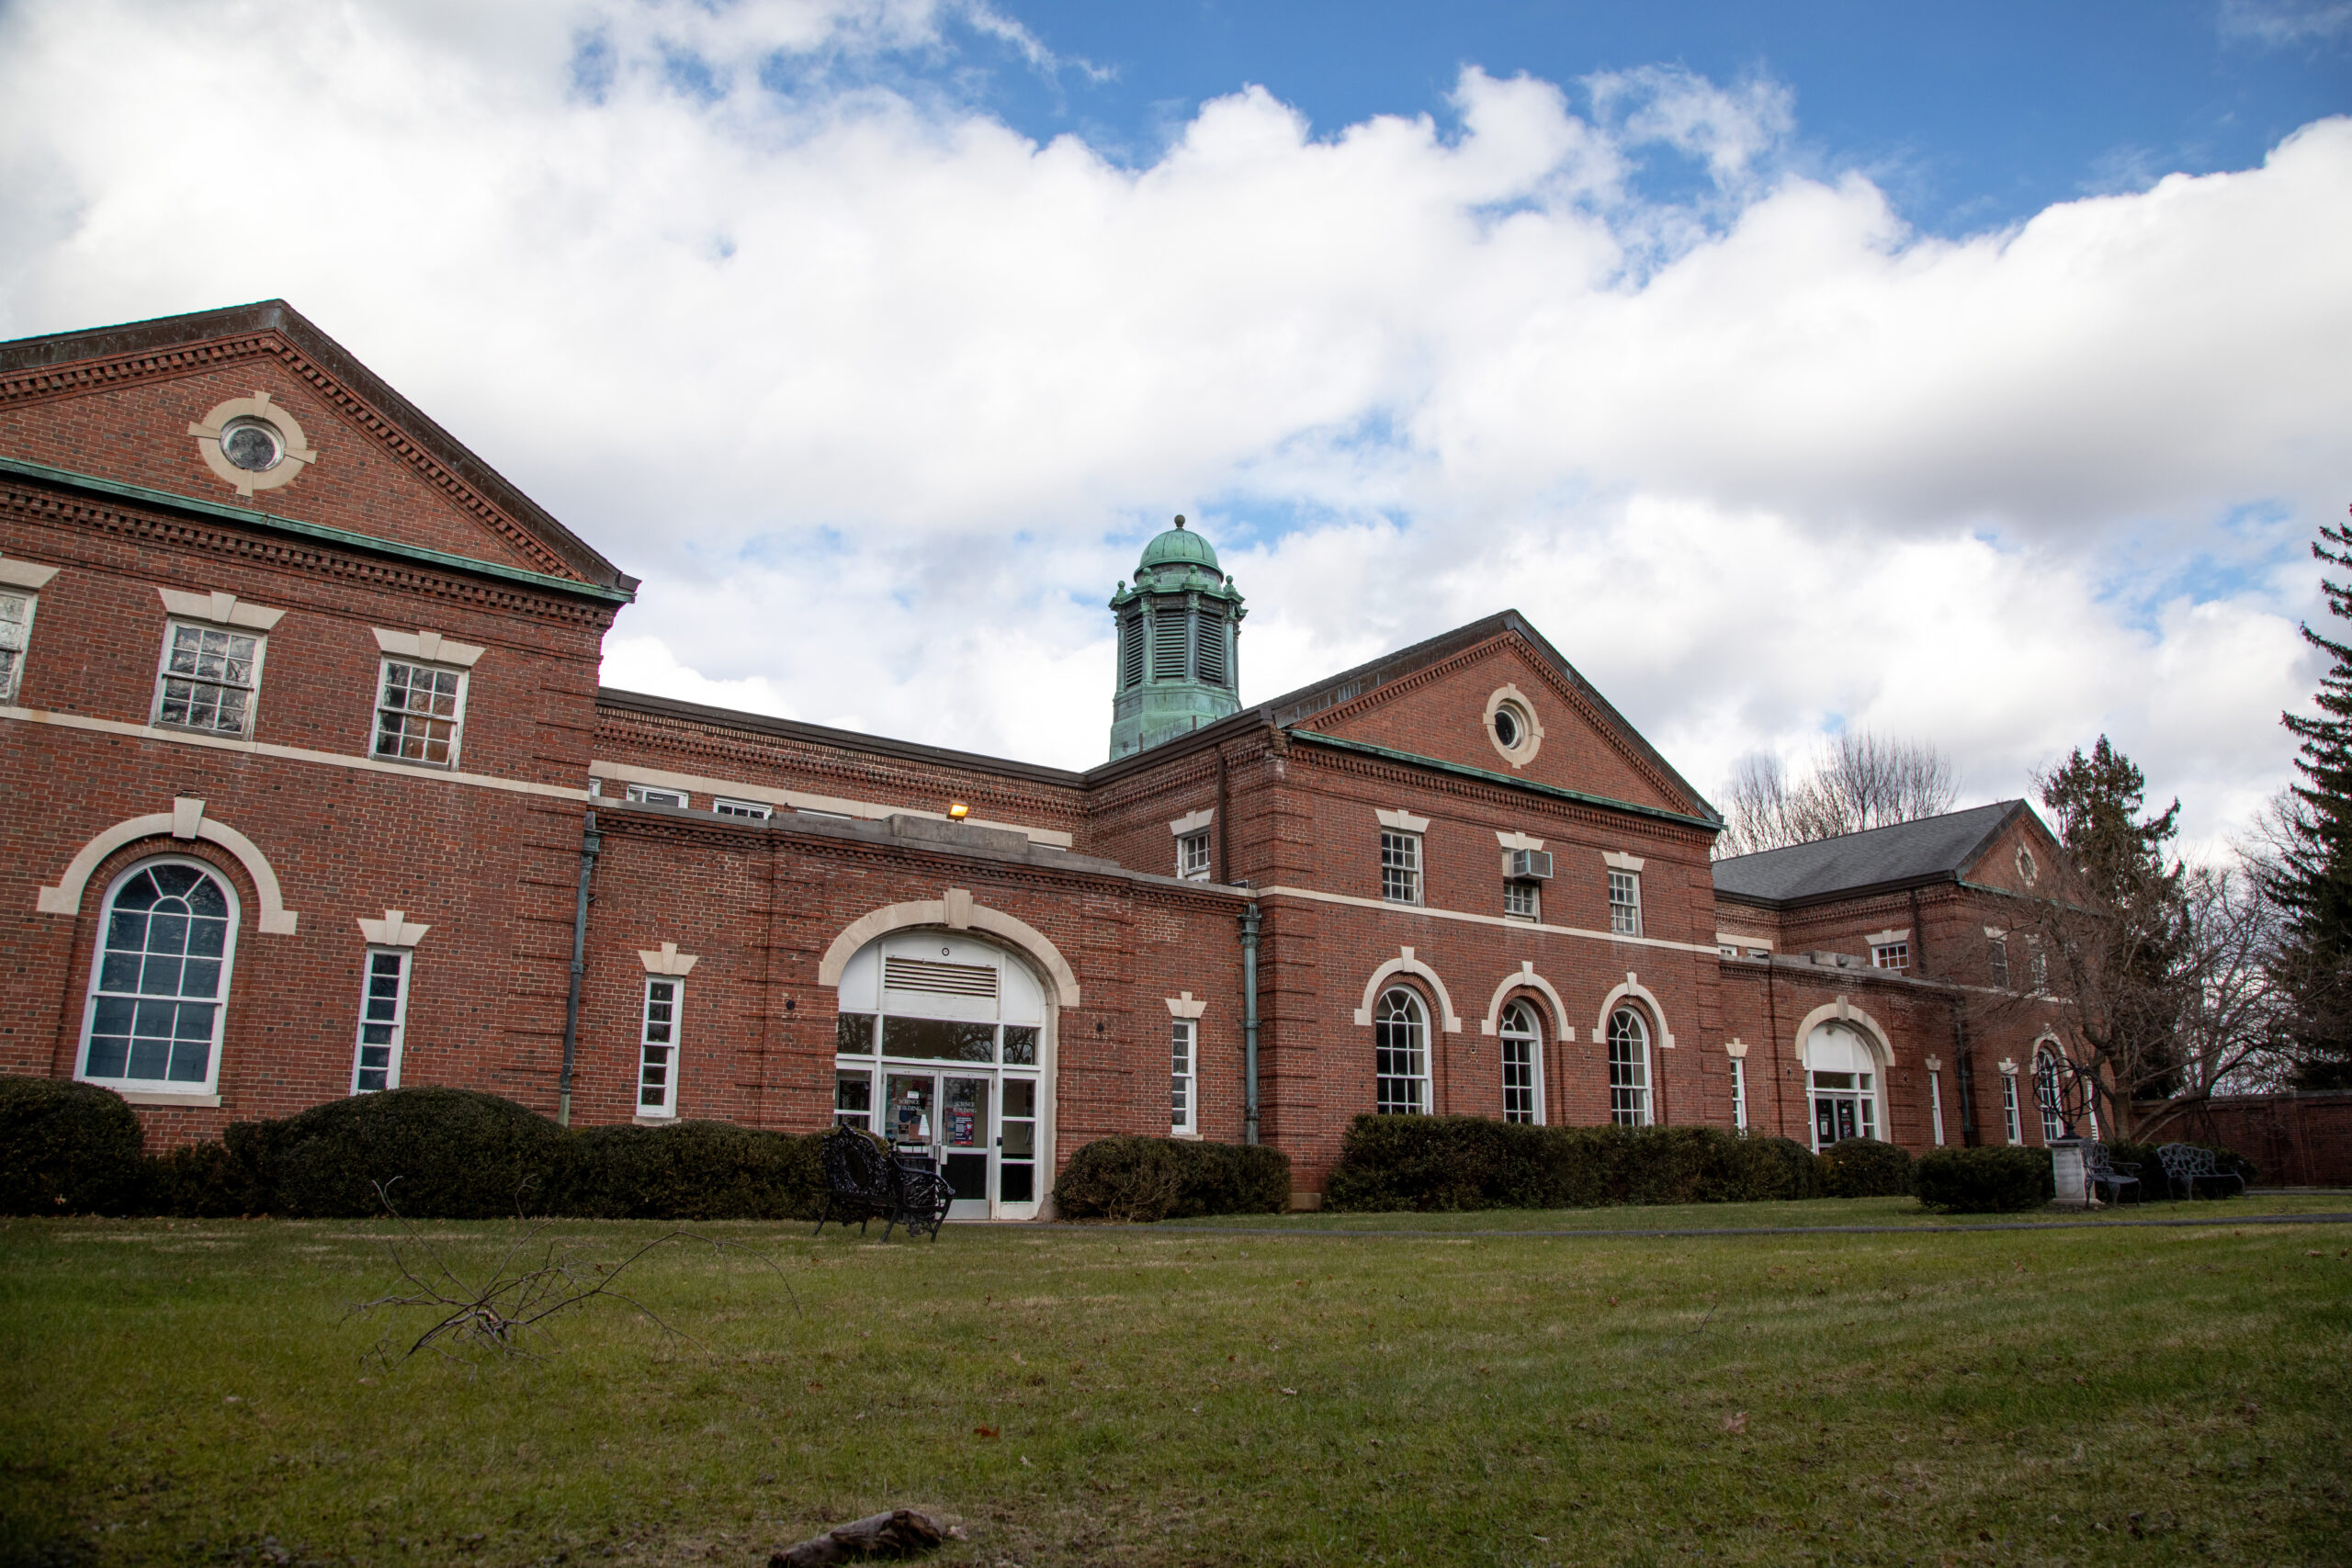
{"points": [[978, 1127]]}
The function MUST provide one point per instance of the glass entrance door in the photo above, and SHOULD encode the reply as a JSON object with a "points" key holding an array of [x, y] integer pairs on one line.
{"points": [[966, 1143]]}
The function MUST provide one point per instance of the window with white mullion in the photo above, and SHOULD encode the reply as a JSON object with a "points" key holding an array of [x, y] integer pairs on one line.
{"points": [[208, 679], [159, 981], [1193, 857], [1624, 903], [383, 1021], [1629, 1068], [1523, 1049], [2009, 1108], [657, 1067], [1740, 1093], [419, 710], [1183, 1114], [1400, 1054], [1400, 867], [16, 638]]}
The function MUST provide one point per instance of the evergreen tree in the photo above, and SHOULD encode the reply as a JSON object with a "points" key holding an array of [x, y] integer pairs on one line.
{"points": [[2312, 881]]}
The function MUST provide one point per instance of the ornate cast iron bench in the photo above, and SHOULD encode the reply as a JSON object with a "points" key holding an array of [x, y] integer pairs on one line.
{"points": [[866, 1179], [2186, 1165], [2101, 1169]]}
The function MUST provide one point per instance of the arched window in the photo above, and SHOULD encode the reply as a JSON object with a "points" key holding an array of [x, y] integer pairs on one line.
{"points": [[1842, 1074], [1629, 1068], [160, 977], [1401, 1035], [1522, 1042], [2048, 1096]]}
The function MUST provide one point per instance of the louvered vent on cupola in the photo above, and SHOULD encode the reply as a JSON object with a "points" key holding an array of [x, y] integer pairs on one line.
{"points": [[1213, 652], [941, 980], [1168, 646]]}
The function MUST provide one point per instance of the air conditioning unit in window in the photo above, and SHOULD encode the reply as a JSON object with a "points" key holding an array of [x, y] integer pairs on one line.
{"points": [[1528, 865]]}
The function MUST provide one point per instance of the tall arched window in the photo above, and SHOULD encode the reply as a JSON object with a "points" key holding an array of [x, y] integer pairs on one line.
{"points": [[1522, 1050], [160, 977], [1629, 1068], [1401, 1035], [2048, 1095]]}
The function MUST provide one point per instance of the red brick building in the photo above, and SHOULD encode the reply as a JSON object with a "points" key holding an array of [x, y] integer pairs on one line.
{"points": [[311, 791]]}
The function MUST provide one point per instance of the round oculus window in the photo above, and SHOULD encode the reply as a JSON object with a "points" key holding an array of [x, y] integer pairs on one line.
{"points": [[253, 445], [1508, 729]]}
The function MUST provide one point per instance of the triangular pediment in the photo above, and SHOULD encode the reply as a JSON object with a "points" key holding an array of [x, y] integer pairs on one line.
{"points": [[131, 405], [1441, 699]]}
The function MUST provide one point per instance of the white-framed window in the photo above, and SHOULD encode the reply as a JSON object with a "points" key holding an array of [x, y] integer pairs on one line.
{"points": [[653, 794], [1523, 1054], [2048, 1095], [1523, 900], [1183, 1046], [2037, 968], [1629, 1066], [1726, 950], [1400, 1037], [419, 710], [1740, 1093], [1759, 953], [657, 1061], [16, 638], [1936, 1102], [1891, 956], [2009, 1106], [1193, 856], [1625, 903], [1996, 953], [753, 811], [1400, 867], [159, 981], [383, 1020], [210, 678]]}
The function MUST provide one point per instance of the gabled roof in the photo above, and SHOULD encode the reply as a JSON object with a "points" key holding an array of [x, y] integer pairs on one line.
{"points": [[1933, 848], [1294, 707], [164, 333]]}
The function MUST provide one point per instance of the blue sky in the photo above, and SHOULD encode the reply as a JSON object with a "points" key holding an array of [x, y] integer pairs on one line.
{"points": [[1971, 115], [1972, 374]]}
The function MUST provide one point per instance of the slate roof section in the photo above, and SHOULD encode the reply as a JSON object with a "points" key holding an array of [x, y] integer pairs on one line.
{"points": [[167, 332], [1934, 849]]}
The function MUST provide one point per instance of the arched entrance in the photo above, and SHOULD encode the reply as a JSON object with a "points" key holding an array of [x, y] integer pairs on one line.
{"points": [[1842, 1072], [946, 1043]]}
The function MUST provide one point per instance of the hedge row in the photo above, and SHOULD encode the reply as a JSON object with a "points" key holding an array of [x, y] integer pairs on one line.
{"points": [[444, 1153], [1171, 1178], [1468, 1162]]}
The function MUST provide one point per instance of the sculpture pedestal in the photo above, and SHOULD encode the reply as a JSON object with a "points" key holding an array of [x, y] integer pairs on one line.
{"points": [[2066, 1168]]}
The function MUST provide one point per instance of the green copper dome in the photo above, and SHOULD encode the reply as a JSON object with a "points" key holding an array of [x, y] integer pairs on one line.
{"points": [[1178, 546]]}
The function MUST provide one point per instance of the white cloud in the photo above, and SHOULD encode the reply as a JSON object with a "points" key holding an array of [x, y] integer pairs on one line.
{"points": [[880, 397]]}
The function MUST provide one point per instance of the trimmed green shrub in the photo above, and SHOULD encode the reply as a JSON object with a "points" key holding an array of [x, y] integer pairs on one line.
{"points": [[1132, 1178], [444, 1154], [693, 1170], [1469, 1162], [1984, 1181], [1864, 1167], [66, 1148], [202, 1181]]}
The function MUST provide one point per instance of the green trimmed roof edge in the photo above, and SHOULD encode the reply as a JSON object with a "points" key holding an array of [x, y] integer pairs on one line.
{"points": [[1461, 770], [141, 494]]}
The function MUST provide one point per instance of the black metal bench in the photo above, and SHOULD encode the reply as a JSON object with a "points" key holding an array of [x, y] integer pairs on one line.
{"points": [[2104, 1172], [866, 1179], [2186, 1165]]}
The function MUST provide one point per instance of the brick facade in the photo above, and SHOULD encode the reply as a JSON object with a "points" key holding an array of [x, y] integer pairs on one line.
{"points": [[398, 529]]}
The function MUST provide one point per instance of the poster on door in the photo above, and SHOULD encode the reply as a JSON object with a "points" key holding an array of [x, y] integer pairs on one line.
{"points": [[963, 1128]]}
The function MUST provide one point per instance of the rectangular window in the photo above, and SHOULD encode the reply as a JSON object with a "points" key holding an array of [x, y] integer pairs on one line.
{"points": [[1625, 903], [657, 1069], [1183, 1111], [649, 794], [1522, 901], [1891, 956], [2037, 968], [1629, 1076], [1518, 1076], [854, 1100], [750, 809], [2009, 1106], [1759, 953], [418, 710], [1193, 857], [1400, 867], [1997, 951], [15, 637], [1739, 1092], [209, 680], [383, 1021]]}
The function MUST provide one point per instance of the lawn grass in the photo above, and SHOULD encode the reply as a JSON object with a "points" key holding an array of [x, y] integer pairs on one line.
{"points": [[195, 1392]]}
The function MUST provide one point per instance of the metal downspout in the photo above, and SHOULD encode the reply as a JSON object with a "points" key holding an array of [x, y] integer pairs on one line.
{"points": [[591, 842], [1249, 1023]]}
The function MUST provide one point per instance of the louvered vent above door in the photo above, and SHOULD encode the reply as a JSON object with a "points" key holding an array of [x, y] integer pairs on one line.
{"points": [[940, 979]]}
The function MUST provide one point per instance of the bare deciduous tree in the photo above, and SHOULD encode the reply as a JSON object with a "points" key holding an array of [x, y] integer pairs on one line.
{"points": [[1859, 780]]}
